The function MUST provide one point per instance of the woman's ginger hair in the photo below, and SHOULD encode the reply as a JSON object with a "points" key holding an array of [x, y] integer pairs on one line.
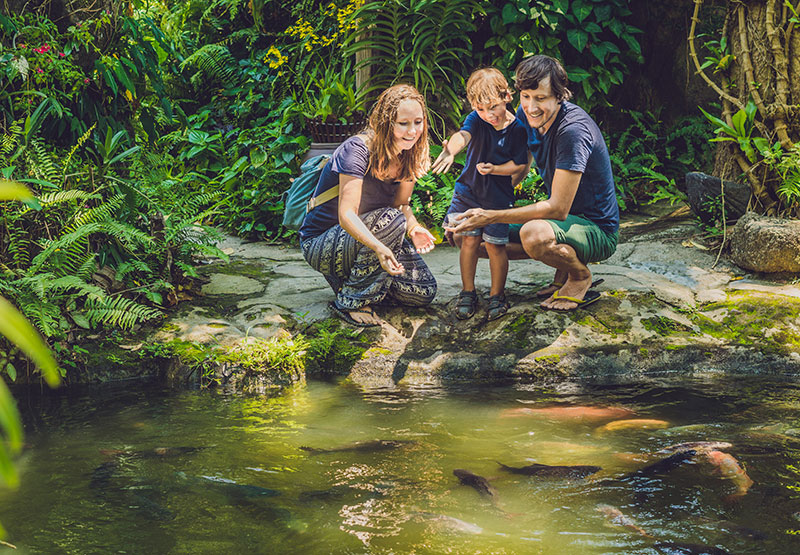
{"points": [[486, 86], [414, 163]]}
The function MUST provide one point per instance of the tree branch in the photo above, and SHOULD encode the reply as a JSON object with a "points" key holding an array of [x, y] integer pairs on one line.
{"points": [[700, 72]]}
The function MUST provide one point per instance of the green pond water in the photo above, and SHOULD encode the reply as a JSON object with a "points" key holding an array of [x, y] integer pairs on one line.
{"points": [[133, 469]]}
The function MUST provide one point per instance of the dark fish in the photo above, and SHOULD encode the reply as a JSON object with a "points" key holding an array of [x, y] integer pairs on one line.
{"points": [[696, 446], [148, 508], [665, 465], [102, 474], [679, 548], [235, 489], [479, 483], [547, 471], [155, 453], [362, 446]]}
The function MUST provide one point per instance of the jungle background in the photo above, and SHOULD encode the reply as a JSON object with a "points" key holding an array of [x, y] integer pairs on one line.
{"points": [[145, 128]]}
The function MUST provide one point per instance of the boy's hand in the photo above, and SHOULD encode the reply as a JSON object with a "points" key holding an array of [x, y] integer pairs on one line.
{"points": [[443, 161], [484, 168]]}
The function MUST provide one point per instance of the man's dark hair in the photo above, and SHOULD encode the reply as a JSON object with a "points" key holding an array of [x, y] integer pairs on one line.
{"points": [[534, 69]]}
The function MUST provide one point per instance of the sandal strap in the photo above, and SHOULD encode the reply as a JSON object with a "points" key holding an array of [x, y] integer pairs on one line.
{"points": [[497, 301], [467, 299]]}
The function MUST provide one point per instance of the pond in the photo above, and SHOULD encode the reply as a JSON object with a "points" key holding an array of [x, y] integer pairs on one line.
{"points": [[332, 468]]}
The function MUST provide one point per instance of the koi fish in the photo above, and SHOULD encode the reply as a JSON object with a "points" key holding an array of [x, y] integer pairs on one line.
{"points": [[698, 446], [617, 518], [478, 483], [362, 446], [547, 471], [450, 524], [633, 423], [728, 467], [665, 465], [573, 413]]}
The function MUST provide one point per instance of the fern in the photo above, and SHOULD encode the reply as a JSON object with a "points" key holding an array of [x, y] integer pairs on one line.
{"points": [[132, 266], [81, 140], [42, 163], [216, 64], [10, 141], [118, 311]]}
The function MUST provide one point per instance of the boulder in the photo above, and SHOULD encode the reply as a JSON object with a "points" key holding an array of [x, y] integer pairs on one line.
{"points": [[703, 191], [764, 244]]}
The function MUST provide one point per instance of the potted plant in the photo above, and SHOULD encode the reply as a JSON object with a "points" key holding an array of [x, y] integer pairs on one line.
{"points": [[334, 110]]}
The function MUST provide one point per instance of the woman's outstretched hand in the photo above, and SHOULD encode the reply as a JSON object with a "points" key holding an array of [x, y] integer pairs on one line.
{"points": [[423, 240], [388, 262]]}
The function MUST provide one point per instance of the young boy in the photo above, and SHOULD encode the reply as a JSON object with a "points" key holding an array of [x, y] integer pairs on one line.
{"points": [[497, 147]]}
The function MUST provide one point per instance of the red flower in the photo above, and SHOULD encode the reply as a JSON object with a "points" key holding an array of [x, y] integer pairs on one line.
{"points": [[61, 54], [39, 70], [86, 80]]}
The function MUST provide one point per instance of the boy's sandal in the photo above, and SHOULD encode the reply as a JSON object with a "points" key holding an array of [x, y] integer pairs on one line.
{"points": [[345, 315], [498, 306], [466, 304], [543, 295]]}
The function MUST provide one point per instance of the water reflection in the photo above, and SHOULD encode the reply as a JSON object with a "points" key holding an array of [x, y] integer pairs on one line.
{"points": [[334, 468]]}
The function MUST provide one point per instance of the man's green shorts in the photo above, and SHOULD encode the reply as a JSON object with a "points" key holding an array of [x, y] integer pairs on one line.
{"points": [[591, 243]]}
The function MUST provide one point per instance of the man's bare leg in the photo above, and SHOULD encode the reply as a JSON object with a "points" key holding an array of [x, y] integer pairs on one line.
{"points": [[539, 241]]}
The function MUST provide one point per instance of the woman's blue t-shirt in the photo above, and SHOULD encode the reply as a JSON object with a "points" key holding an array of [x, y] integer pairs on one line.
{"points": [[574, 142], [350, 158], [496, 147]]}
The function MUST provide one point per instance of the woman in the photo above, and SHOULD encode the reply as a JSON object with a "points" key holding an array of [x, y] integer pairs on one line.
{"points": [[358, 240]]}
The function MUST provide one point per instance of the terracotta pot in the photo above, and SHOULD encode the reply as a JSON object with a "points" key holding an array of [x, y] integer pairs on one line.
{"points": [[336, 132]]}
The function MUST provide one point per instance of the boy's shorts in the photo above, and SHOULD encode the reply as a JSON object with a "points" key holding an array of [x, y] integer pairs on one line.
{"points": [[496, 234], [591, 243]]}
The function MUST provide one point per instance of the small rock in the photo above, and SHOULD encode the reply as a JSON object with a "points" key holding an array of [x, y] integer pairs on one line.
{"points": [[765, 244]]}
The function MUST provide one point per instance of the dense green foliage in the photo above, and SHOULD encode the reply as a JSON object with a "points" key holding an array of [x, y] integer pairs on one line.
{"points": [[141, 127]]}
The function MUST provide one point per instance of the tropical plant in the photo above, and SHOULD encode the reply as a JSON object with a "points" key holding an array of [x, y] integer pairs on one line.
{"points": [[420, 42], [758, 102], [594, 39], [15, 328]]}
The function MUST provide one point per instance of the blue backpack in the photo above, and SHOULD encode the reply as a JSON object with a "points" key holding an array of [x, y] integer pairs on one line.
{"points": [[297, 200]]}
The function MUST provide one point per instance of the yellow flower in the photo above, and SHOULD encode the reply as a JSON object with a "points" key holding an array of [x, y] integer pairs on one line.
{"points": [[274, 58]]}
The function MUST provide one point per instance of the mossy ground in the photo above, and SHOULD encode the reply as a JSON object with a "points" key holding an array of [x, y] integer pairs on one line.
{"points": [[768, 323]]}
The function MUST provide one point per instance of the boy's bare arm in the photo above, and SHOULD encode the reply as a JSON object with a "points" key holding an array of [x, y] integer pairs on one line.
{"points": [[450, 148], [523, 173], [506, 168]]}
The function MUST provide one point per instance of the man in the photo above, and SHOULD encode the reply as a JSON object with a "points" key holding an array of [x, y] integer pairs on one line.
{"points": [[579, 222]]}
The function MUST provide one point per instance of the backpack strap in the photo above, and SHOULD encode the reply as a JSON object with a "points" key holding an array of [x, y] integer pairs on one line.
{"points": [[322, 198]]}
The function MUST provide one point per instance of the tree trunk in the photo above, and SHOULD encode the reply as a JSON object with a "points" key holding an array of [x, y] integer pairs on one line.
{"points": [[766, 69]]}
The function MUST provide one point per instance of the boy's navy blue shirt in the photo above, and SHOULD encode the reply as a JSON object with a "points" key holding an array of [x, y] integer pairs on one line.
{"points": [[496, 147], [574, 142]]}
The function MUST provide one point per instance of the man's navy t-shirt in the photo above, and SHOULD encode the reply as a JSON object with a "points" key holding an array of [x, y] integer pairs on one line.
{"points": [[574, 142], [496, 147]]}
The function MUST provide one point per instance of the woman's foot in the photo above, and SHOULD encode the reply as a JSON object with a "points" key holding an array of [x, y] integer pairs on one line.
{"points": [[363, 317]]}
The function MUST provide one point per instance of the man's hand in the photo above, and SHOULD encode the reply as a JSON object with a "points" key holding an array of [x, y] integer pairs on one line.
{"points": [[484, 168], [423, 240], [444, 161], [472, 219]]}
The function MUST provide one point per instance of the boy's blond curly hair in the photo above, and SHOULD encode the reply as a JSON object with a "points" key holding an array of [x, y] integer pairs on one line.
{"points": [[486, 86]]}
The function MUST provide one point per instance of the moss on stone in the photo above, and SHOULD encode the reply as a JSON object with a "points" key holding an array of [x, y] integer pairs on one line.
{"points": [[749, 314], [664, 326]]}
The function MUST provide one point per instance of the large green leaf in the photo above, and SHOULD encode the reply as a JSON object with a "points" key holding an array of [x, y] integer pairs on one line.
{"points": [[577, 38]]}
